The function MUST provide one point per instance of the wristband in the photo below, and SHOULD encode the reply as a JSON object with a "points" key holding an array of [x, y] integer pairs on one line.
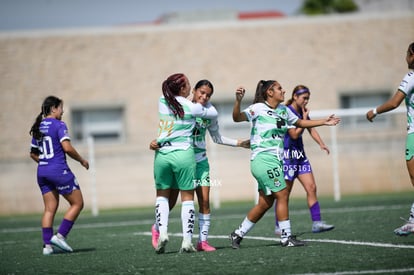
{"points": [[374, 111]]}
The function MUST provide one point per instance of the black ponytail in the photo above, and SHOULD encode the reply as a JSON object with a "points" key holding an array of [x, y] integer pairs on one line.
{"points": [[48, 103], [261, 90]]}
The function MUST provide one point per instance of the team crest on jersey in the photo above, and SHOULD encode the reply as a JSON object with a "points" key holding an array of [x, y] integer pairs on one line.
{"points": [[283, 114], [277, 183], [251, 112]]}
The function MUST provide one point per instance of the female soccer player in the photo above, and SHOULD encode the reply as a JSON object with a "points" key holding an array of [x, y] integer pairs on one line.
{"points": [[49, 146], [174, 165], [295, 162], [270, 121], [404, 91], [202, 93]]}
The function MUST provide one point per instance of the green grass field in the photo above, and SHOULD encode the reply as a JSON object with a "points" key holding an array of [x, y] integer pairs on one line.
{"points": [[119, 242]]}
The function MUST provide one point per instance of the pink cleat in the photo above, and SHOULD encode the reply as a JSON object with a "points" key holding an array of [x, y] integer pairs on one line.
{"points": [[155, 236], [204, 246]]}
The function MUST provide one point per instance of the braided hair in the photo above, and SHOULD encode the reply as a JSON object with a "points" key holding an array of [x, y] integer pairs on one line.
{"points": [[171, 87]]}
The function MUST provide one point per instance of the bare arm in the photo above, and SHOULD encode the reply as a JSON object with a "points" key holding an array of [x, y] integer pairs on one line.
{"points": [[295, 133], [330, 121], [317, 138], [71, 151], [237, 115], [389, 105]]}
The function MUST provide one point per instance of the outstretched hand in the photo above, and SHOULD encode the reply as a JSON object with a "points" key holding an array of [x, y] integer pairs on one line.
{"points": [[332, 120]]}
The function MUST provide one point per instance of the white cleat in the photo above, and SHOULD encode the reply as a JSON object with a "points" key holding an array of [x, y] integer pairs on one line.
{"points": [[321, 226], [47, 249], [405, 229], [162, 243], [61, 243], [187, 247]]}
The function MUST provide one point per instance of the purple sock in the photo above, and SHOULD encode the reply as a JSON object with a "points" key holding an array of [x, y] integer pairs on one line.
{"points": [[315, 212], [47, 233], [65, 227]]}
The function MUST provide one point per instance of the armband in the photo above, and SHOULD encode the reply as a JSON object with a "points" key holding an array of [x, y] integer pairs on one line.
{"points": [[374, 111]]}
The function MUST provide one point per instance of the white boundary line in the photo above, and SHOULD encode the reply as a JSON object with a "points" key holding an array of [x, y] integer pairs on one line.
{"points": [[141, 222], [385, 245], [344, 242]]}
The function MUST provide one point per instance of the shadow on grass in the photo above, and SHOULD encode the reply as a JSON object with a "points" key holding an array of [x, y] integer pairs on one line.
{"points": [[57, 251]]}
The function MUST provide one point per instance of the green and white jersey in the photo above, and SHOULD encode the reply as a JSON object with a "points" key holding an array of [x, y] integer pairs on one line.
{"points": [[199, 136], [176, 133], [269, 127], [407, 87]]}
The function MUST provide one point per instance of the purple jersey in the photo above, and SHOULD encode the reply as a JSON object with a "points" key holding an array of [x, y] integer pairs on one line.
{"points": [[293, 147], [295, 161], [53, 171], [52, 155]]}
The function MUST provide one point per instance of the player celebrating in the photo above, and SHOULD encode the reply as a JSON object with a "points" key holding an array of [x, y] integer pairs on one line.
{"points": [[270, 121], [174, 165], [202, 93], [49, 146], [405, 91]]}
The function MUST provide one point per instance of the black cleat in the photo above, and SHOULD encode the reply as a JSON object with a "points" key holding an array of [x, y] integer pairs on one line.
{"points": [[235, 240], [292, 241]]}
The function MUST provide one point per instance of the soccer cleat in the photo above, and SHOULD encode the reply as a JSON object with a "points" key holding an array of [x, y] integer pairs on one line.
{"points": [[187, 247], [292, 241], [155, 236], [405, 229], [47, 249], [235, 240], [162, 243], [205, 246], [321, 226], [61, 243], [278, 231]]}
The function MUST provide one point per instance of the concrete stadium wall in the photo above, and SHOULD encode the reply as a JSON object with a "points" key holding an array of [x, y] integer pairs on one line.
{"points": [[330, 54]]}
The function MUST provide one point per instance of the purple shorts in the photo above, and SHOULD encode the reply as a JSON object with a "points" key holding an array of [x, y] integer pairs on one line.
{"points": [[295, 167], [64, 181]]}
